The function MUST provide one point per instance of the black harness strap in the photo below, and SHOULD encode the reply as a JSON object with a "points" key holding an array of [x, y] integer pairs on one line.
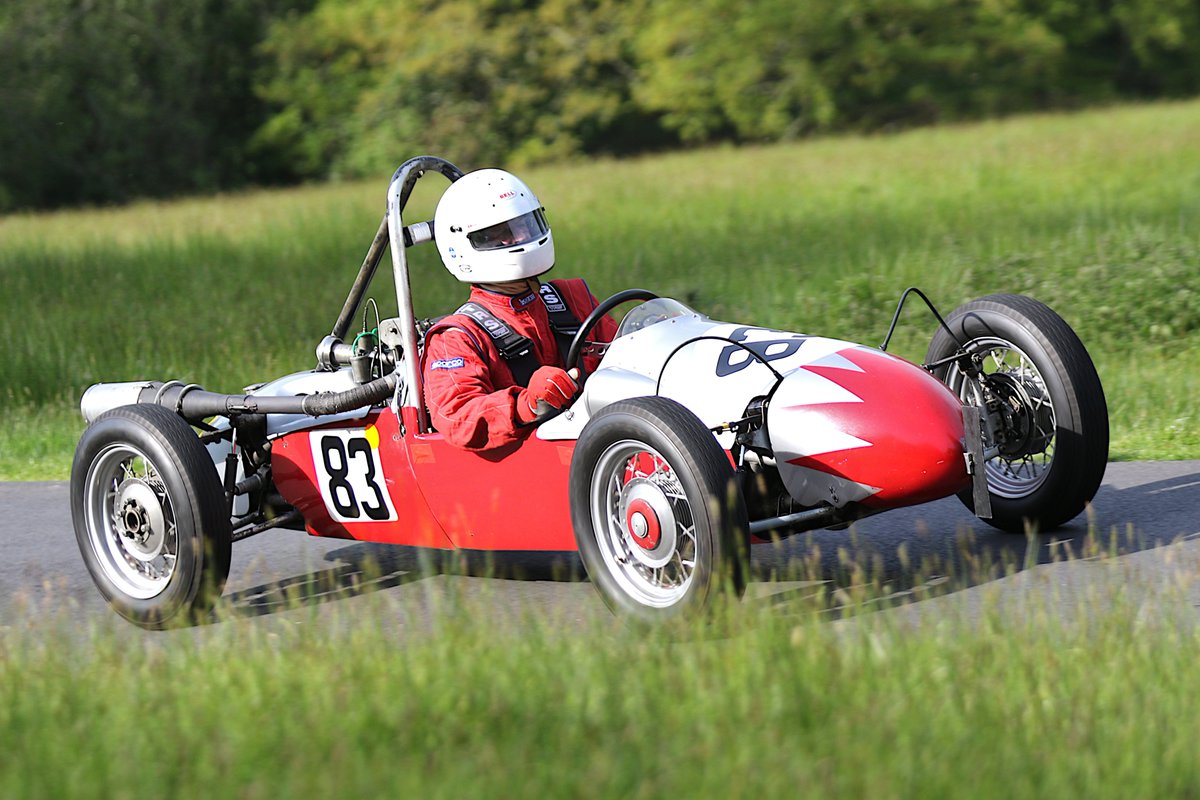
{"points": [[562, 321], [516, 349], [511, 344]]}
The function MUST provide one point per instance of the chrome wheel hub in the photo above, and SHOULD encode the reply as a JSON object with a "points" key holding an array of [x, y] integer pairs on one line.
{"points": [[650, 525], [140, 520], [643, 523]]}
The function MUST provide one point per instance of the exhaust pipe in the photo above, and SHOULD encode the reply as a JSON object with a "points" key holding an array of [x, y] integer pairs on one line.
{"points": [[193, 403]]}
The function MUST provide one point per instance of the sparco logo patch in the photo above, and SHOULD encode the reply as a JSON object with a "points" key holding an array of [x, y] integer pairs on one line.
{"points": [[447, 363]]}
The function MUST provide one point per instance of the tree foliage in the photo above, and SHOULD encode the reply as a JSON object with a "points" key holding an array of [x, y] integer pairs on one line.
{"points": [[770, 69], [488, 80], [104, 101]]}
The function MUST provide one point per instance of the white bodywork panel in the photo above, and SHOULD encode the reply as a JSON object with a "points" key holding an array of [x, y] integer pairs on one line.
{"points": [[310, 382], [704, 365], [708, 367]]}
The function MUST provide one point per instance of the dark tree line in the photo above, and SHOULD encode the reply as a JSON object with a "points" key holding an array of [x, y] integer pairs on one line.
{"points": [[107, 100]]}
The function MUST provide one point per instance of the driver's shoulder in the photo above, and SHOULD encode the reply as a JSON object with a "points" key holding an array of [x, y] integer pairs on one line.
{"points": [[570, 284], [576, 293], [456, 333]]}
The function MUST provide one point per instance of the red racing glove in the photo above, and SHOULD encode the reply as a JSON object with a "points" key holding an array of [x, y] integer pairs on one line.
{"points": [[550, 386]]}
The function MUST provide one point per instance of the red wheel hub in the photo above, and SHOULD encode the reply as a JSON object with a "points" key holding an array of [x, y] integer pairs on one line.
{"points": [[642, 524]]}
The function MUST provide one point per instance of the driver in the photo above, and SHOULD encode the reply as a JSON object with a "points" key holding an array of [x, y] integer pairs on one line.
{"points": [[497, 365]]}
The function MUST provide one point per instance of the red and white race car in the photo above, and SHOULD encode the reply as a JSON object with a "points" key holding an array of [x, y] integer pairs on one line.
{"points": [[693, 439]]}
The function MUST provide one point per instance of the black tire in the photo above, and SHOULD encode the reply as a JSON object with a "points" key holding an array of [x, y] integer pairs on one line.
{"points": [[651, 457], [150, 516], [1056, 451]]}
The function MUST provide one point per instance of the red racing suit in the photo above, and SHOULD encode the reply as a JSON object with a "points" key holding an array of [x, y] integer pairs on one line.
{"points": [[469, 388]]}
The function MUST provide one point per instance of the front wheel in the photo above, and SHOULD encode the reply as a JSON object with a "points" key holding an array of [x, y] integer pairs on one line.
{"points": [[659, 518], [150, 516], [1047, 420]]}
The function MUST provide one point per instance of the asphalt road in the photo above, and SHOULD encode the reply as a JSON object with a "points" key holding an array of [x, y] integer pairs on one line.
{"points": [[1150, 510]]}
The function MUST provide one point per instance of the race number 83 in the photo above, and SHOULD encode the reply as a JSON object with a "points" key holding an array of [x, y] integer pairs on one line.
{"points": [[349, 474]]}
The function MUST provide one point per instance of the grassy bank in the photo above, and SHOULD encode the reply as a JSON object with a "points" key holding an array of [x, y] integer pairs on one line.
{"points": [[1093, 213], [1046, 700]]}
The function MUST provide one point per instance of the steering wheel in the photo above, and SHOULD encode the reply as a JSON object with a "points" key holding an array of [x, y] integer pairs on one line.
{"points": [[546, 412], [575, 353]]}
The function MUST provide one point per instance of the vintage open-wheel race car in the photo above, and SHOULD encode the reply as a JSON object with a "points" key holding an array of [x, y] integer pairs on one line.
{"points": [[692, 440]]}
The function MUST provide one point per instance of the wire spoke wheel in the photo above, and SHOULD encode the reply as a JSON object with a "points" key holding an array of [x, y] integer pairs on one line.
{"points": [[648, 530], [151, 519], [1014, 387], [131, 521], [659, 519], [1047, 419]]}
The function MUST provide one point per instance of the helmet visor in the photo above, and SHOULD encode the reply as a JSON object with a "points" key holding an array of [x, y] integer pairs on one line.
{"points": [[511, 233]]}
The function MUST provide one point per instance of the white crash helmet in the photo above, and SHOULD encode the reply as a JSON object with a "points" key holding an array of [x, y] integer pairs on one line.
{"points": [[490, 228]]}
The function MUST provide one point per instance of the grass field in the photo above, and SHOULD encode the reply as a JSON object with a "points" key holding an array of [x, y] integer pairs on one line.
{"points": [[1093, 213], [1032, 698]]}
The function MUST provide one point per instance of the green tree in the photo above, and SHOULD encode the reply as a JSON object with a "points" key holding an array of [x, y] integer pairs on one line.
{"points": [[364, 84], [1132, 48], [771, 69], [106, 101]]}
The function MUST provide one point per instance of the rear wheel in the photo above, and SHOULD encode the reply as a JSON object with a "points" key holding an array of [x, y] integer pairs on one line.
{"points": [[1047, 417], [659, 518], [150, 516]]}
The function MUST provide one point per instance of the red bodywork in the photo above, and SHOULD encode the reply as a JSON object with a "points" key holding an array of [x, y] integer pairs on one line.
{"points": [[443, 496], [438, 495], [916, 448]]}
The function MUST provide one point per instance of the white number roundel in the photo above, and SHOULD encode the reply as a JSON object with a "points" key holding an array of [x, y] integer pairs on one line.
{"points": [[350, 475]]}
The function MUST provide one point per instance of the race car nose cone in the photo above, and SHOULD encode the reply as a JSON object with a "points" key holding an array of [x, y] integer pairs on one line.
{"points": [[873, 429]]}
